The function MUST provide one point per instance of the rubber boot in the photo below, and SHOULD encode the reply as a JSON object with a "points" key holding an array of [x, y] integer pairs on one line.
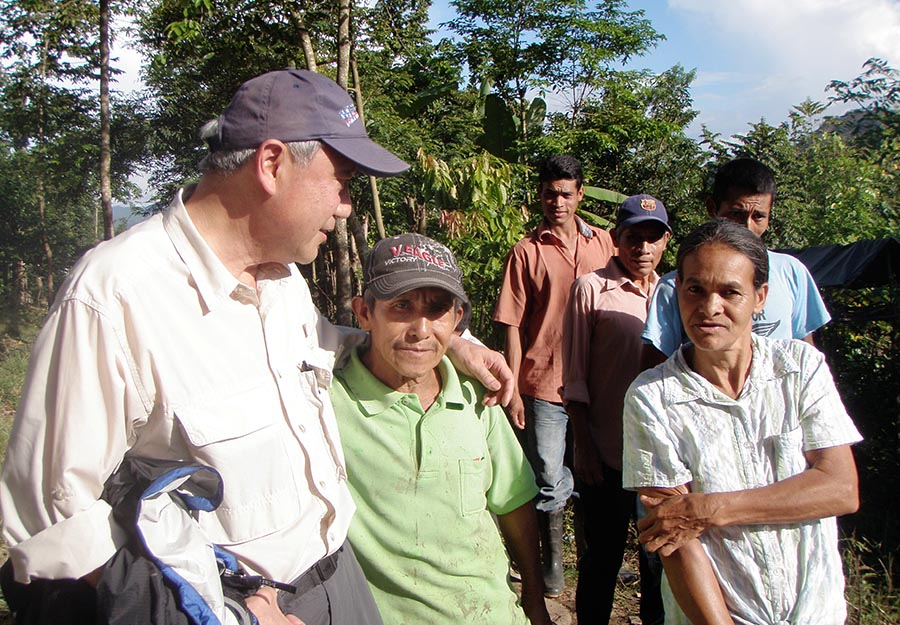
{"points": [[551, 529]]}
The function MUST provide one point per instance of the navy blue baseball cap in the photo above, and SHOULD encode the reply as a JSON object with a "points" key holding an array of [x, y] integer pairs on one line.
{"points": [[299, 105], [640, 208]]}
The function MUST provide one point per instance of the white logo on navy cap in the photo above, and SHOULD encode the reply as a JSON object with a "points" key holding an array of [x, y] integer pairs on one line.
{"points": [[349, 114]]}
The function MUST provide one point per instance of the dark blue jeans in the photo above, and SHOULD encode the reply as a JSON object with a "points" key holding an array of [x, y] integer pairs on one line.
{"points": [[545, 447]]}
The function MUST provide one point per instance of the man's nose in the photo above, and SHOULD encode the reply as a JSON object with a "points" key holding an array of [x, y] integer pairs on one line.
{"points": [[743, 219], [419, 327], [344, 207]]}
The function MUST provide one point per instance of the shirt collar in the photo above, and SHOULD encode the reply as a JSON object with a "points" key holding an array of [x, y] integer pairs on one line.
{"points": [[771, 361], [583, 229], [374, 397], [213, 280], [615, 278]]}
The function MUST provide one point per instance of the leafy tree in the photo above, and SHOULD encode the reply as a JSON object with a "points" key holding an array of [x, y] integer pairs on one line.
{"points": [[876, 122], [523, 45], [830, 189], [480, 220], [48, 45], [51, 137]]}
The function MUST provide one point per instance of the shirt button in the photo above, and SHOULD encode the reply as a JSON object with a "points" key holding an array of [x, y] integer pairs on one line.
{"points": [[301, 427], [322, 483]]}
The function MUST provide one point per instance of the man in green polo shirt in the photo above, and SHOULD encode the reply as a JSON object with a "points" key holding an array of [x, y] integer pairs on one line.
{"points": [[429, 466]]}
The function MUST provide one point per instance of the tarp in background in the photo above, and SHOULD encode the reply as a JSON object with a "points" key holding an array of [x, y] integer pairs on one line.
{"points": [[855, 266]]}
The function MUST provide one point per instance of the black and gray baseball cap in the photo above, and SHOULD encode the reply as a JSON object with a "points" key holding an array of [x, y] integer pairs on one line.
{"points": [[412, 261], [299, 105]]}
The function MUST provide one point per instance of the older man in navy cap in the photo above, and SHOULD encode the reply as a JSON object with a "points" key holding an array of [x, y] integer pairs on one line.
{"points": [[193, 338], [601, 357]]}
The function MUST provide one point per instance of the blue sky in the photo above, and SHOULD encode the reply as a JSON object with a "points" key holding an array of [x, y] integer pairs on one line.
{"points": [[758, 58]]}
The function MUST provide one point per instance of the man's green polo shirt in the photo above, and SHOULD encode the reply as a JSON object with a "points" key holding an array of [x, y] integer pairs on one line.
{"points": [[425, 484]]}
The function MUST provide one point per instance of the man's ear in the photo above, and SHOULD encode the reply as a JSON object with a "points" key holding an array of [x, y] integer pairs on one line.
{"points": [[272, 159], [614, 233], [362, 312], [711, 209], [460, 313], [761, 294]]}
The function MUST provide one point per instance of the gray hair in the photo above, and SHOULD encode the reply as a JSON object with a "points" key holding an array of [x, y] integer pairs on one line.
{"points": [[229, 161], [737, 237]]}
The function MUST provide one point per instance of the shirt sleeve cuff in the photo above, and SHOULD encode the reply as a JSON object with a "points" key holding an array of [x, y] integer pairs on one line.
{"points": [[71, 548], [576, 391]]}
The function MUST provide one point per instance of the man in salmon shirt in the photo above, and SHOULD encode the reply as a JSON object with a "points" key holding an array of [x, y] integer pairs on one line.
{"points": [[539, 273]]}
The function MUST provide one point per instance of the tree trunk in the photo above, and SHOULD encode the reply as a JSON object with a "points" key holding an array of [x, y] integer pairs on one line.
{"points": [[309, 53], [373, 182], [343, 69], [17, 304], [342, 267], [105, 184], [45, 238], [39, 183], [358, 230], [417, 215]]}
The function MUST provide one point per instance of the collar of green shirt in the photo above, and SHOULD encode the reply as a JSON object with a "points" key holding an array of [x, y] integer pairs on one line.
{"points": [[374, 397]]}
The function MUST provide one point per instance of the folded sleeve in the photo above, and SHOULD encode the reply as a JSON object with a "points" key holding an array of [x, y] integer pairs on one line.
{"points": [[651, 455], [512, 303], [76, 418], [512, 483], [809, 312], [823, 418]]}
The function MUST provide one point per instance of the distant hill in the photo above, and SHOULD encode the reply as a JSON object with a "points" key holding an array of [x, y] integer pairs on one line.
{"points": [[852, 124], [122, 215]]}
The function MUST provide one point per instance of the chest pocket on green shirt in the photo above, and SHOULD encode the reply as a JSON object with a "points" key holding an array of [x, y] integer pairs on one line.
{"points": [[473, 483]]}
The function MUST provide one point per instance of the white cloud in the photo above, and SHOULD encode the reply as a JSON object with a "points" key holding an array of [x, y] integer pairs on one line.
{"points": [[760, 57], [803, 35], [706, 78], [129, 62]]}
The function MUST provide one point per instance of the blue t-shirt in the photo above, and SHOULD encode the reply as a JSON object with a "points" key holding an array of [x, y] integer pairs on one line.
{"points": [[794, 308]]}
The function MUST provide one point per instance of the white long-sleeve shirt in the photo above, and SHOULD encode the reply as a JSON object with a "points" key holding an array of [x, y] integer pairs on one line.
{"points": [[153, 348]]}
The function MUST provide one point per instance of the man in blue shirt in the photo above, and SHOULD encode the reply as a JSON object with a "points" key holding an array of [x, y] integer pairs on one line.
{"points": [[743, 192]]}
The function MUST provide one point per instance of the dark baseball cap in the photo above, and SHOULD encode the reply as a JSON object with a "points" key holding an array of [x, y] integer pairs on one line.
{"points": [[299, 105], [638, 208], [412, 261]]}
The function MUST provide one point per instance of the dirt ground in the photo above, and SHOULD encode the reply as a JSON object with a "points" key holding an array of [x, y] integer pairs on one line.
{"points": [[627, 602]]}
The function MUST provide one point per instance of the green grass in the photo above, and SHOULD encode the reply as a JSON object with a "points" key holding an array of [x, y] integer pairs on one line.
{"points": [[872, 598], [13, 365]]}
